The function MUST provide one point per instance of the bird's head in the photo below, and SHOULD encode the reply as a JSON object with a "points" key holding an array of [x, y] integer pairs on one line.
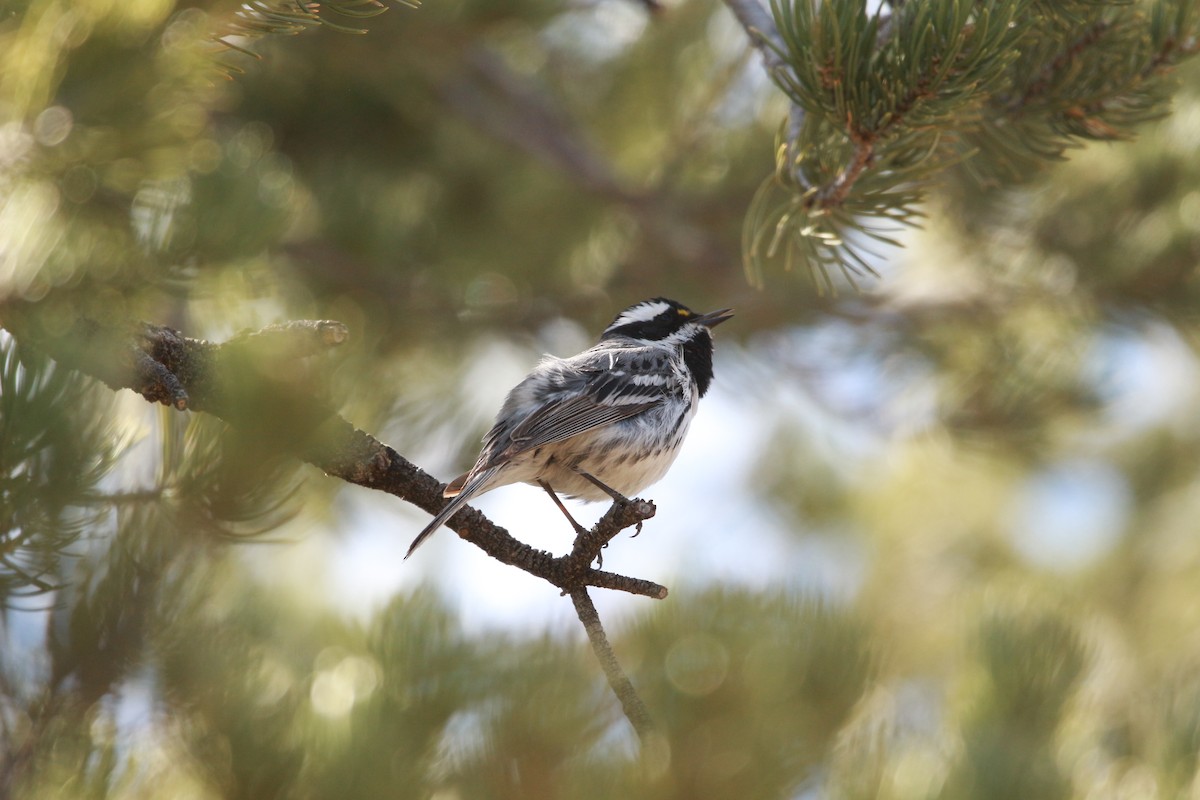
{"points": [[664, 322]]}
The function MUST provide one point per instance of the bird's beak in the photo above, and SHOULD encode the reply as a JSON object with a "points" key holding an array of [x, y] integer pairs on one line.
{"points": [[714, 318]]}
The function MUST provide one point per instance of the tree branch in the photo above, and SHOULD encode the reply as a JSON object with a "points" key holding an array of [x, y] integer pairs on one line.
{"points": [[1089, 36], [631, 703], [836, 192], [762, 32], [519, 111], [765, 38]]}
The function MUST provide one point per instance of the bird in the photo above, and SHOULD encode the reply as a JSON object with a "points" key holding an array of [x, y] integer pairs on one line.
{"points": [[607, 422]]}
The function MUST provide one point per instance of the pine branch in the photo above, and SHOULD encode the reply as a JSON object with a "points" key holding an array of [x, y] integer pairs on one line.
{"points": [[288, 17], [890, 99], [835, 193], [1090, 35], [257, 19], [762, 32]]}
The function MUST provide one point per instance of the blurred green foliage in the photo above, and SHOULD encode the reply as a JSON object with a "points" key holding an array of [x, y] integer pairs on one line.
{"points": [[1000, 430]]}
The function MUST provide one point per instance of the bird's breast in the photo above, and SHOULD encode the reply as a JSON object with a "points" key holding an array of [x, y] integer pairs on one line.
{"points": [[627, 456]]}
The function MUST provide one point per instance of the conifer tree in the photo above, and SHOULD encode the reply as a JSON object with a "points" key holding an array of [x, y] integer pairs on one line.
{"points": [[962, 562]]}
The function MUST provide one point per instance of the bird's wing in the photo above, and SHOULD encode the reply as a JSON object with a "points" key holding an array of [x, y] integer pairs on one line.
{"points": [[601, 388], [563, 419]]}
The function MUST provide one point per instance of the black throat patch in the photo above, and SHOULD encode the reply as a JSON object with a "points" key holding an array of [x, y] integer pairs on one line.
{"points": [[697, 354]]}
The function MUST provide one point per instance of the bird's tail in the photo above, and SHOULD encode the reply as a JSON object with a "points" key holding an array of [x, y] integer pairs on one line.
{"points": [[473, 487]]}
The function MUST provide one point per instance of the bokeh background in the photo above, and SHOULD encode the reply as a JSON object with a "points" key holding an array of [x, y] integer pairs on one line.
{"points": [[933, 538]]}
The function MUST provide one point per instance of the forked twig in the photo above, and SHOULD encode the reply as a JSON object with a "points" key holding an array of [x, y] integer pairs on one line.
{"points": [[631, 703]]}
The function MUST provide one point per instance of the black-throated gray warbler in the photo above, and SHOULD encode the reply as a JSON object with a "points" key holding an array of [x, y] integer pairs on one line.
{"points": [[607, 422]]}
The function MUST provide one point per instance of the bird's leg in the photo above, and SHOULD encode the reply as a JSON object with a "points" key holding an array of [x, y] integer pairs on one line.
{"points": [[604, 487], [579, 529]]}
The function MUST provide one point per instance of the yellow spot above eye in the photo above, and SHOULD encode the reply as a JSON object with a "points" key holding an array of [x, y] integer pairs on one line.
{"points": [[683, 312]]}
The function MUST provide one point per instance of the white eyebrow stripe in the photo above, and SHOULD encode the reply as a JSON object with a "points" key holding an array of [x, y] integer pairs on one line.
{"points": [[643, 312]]}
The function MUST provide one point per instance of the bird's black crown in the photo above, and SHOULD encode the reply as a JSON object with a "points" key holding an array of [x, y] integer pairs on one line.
{"points": [[653, 320]]}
